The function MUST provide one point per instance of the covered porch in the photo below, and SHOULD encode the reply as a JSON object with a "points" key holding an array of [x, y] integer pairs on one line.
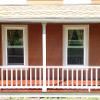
{"points": [[46, 55], [57, 77]]}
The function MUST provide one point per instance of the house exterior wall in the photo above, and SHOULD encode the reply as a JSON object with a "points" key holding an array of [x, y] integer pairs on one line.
{"points": [[54, 44], [35, 44], [0, 46], [54, 50], [94, 44]]}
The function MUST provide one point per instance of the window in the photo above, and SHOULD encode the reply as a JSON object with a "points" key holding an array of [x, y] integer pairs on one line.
{"points": [[15, 45], [75, 45]]}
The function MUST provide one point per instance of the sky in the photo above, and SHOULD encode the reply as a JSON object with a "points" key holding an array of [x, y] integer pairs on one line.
{"points": [[24, 1]]}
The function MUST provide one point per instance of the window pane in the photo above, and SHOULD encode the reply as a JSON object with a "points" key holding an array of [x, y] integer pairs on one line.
{"points": [[15, 56], [15, 37], [75, 37], [75, 56]]}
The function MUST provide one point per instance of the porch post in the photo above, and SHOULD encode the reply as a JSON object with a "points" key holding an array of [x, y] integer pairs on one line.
{"points": [[44, 89]]}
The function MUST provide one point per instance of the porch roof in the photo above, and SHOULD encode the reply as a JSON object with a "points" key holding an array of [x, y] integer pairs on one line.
{"points": [[50, 13]]}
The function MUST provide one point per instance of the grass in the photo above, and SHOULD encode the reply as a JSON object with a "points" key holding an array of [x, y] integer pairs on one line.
{"points": [[11, 98], [70, 99]]}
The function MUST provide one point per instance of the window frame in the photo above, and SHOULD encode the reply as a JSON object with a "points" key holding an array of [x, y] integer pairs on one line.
{"points": [[4, 43], [65, 43]]}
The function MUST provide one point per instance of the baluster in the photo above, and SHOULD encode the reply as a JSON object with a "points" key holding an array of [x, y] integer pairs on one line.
{"points": [[35, 76], [26, 76], [40, 75], [16, 78], [30, 77], [91, 76], [77, 77], [2, 76], [21, 76], [11, 77], [58, 76], [48, 76], [72, 78], [62, 77], [81, 77], [86, 77], [53, 75], [96, 77], [67, 77], [6, 77]]}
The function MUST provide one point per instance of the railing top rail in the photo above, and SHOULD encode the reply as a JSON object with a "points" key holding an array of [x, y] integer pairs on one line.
{"points": [[74, 67], [19, 67], [65, 67]]}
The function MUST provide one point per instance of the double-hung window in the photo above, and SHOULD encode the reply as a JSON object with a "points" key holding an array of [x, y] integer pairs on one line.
{"points": [[75, 45], [14, 45]]}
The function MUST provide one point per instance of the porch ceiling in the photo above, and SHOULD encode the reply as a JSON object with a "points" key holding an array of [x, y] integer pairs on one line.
{"points": [[50, 13]]}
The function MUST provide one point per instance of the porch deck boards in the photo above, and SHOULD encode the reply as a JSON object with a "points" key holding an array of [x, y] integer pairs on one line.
{"points": [[50, 82], [33, 90]]}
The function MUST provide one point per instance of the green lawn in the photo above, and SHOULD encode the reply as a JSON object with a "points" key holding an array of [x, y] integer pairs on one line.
{"points": [[50, 98], [70, 99]]}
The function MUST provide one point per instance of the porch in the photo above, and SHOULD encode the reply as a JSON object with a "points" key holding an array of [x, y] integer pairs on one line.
{"points": [[57, 77], [56, 51]]}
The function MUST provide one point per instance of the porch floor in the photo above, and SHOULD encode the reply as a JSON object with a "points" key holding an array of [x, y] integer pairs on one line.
{"points": [[37, 83], [48, 83]]}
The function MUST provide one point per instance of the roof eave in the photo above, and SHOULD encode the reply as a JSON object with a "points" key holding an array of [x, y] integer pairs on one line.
{"points": [[52, 20]]}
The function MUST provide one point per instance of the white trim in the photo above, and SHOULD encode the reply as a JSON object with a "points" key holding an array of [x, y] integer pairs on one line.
{"points": [[65, 42], [54, 20], [4, 43]]}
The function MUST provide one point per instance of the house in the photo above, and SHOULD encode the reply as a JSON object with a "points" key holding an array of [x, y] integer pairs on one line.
{"points": [[50, 47]]}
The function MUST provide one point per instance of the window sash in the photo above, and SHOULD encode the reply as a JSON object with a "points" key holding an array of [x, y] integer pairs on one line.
{"points": [[15, 56], [75, 59], [15, 59]]}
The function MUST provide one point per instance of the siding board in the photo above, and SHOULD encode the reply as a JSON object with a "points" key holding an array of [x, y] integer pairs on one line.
{"points": [[94, 45], [35, 44]]}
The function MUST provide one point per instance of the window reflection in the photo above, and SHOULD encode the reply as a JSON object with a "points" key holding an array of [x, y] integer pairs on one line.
{"points": [[15, 37]]}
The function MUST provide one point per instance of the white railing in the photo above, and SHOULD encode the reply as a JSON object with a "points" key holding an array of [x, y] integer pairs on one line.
{"points": [[71, 77], [59, 77], [21, 77]]}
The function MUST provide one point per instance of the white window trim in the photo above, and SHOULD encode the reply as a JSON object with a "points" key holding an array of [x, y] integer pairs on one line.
{"points": [[86, 43], [4, 43]]}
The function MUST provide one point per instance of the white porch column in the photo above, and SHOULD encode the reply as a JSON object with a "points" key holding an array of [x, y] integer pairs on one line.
{"points": [[44, 89]]}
